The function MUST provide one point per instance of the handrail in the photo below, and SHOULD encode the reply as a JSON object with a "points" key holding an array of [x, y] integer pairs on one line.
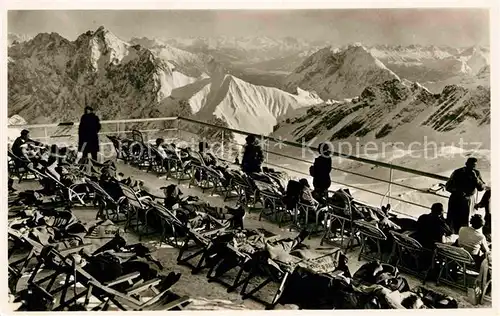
{"points": [[346, 171], [350, 157], [391, 167], [154, 119]]}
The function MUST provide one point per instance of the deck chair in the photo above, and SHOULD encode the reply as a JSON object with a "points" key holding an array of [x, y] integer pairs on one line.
{"points": [[232, 190], [306, 209], [22, 241], [199, 167], [136, 210], [169, 222], [129, 299], [120, 148], [246, 192], [452, 257], [107, 204], [369, 233], [157, 163], [197, 243], [180, 168], [339, 219], [272, 201], [209, 177], [278, 272], [241, 262], [19, 167], [408, 254], [67, 194]]}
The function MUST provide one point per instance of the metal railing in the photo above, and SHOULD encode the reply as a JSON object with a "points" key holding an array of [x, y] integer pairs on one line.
{"points": [[51, 133]]}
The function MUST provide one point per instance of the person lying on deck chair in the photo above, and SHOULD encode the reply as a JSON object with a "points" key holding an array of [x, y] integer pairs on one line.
{"points": [[190, 210]]}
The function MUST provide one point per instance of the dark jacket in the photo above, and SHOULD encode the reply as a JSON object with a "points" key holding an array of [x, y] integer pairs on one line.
{"points": [[88, 132], [431, 229], [485, 202], [321, 173], [16, 146], [465, 182], [252, 158]]}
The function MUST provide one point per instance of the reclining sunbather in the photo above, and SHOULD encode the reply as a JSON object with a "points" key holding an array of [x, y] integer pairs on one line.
{"points": [[116, 258], [191, 211]]}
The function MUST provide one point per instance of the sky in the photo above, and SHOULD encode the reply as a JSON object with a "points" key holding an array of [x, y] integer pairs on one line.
{"points": [[451, 27]]}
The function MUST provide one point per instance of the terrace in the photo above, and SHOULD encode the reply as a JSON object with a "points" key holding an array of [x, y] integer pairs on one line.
{"points": [[280, 155]]}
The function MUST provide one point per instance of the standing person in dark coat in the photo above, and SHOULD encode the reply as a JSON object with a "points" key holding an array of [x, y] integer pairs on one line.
{"points": [[463, 186], [252, 156], [88, 138], [320, 171]]}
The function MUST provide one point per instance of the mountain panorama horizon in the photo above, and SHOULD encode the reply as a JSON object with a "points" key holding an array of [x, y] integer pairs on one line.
{"points": [[20, 37], [293, 88]]}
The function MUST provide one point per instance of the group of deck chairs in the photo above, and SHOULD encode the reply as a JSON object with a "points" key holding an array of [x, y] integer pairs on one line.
{"points": [[52, 261], [209, 238], [53, 265], [339, 217]]}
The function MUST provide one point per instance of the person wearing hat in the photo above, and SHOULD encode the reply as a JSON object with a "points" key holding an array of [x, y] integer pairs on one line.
{"points": [[88, 134], [252, 156], [463, 186], [21, 143]]}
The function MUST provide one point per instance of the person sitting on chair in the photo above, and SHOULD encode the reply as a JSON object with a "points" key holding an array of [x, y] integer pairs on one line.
{"points": [[208, 158], [432, 227], [159, 147], [22, 144], [472, 239]]}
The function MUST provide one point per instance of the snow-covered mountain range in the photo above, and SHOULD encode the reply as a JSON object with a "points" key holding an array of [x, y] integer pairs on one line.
{"points": [[248, 49], [51, 79], [16, 38], [339, 73], [396, 110], [430, 65]]}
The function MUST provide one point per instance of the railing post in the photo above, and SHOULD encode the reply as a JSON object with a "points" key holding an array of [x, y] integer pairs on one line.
{"points": [[46, 135], [267, 153], [178, 128], [117, 129], [222, 144], [389, 194]]}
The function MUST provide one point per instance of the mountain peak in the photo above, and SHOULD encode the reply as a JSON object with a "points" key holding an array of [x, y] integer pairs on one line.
{"points": [[339, 73]]}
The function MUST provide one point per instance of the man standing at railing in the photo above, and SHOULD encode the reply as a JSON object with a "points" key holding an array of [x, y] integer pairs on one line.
{"points": [[463, 186], [88, 134]]}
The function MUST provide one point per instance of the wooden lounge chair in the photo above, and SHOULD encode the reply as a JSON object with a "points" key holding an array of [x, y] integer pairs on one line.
{"points": [[369, 234], [278, 272], [457, 259], [109, 208], [408, 254]]}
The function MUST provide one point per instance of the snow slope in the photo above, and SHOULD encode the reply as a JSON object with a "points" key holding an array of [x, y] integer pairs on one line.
{"points": [[242, 105], [398, 111], [431, 64]]}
